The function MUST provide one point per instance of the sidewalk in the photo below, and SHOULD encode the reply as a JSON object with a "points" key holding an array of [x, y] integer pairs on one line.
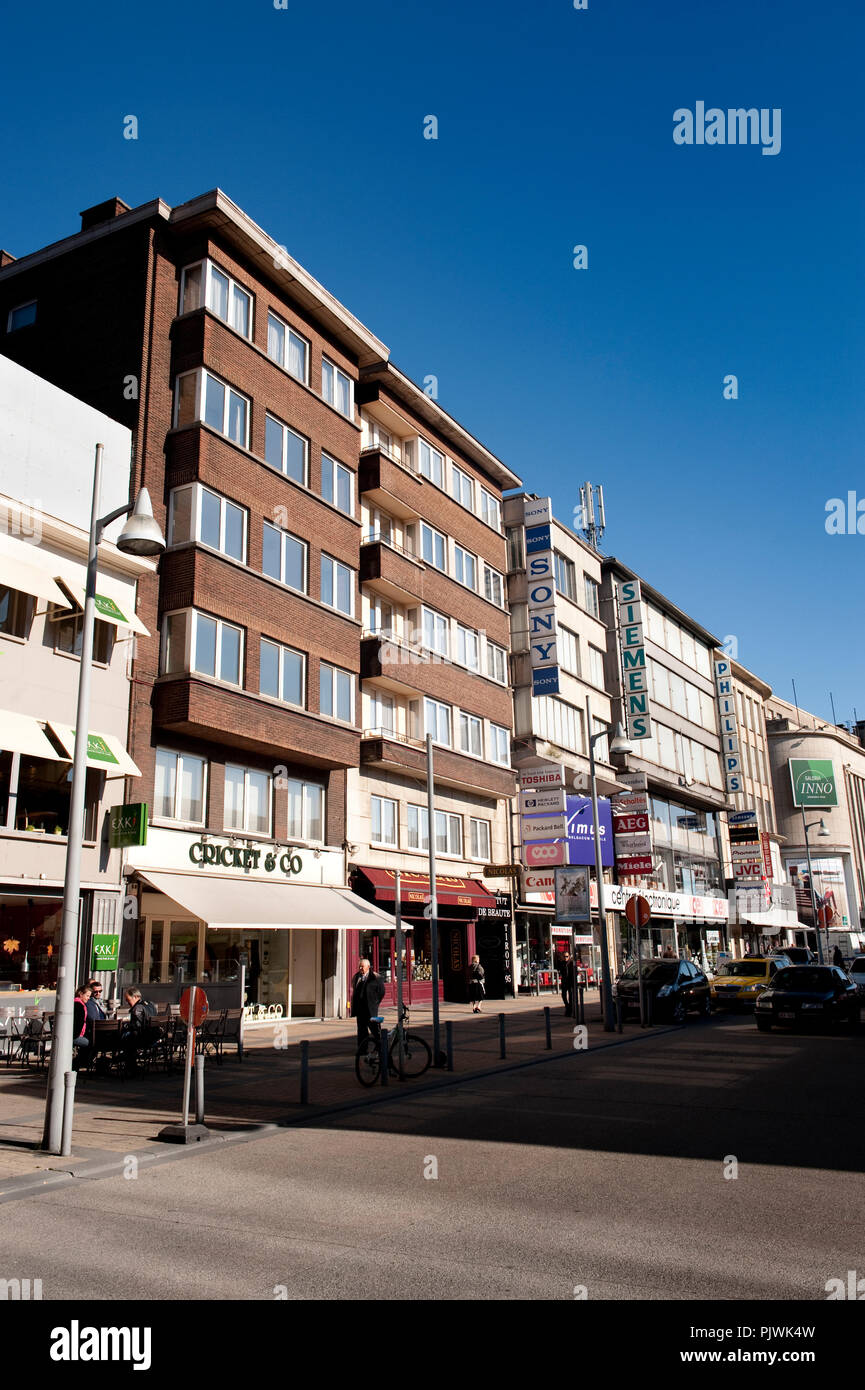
{"points": [[114, 1119]]}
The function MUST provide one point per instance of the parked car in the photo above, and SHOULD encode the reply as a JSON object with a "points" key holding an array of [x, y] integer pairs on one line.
{"points": [[857, 973], [797, 955], [676, 987], [740, 981], [808, 994]]}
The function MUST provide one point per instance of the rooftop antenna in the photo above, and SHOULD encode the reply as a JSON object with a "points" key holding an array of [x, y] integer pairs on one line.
{"points": [[832, 703], [796, 703], [592, 528]]}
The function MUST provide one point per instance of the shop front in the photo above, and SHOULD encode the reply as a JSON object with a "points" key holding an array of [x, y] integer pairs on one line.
{"points": [[461, 901], [254, 922], [682, 924]]}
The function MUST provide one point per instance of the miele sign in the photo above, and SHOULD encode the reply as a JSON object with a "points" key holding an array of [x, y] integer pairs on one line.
{"points": [[238, 856]]}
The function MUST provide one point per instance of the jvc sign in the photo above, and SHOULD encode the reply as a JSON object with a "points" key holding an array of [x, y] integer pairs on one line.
{"points": [[813, 782]]}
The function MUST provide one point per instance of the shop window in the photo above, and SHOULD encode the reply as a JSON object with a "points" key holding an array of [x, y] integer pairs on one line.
{"points": [[68, 633], [14, 612], [43, 793]]}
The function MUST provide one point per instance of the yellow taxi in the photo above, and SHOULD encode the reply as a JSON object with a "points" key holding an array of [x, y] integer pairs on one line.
{"points": [[740, 981]]}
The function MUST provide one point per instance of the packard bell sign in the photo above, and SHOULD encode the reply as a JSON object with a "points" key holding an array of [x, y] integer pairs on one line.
{"points": [[541, 576], [729, 724], [635, 683]]}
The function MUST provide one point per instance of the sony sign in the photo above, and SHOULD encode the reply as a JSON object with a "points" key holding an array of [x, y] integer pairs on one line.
{"points": [[541, 598]]}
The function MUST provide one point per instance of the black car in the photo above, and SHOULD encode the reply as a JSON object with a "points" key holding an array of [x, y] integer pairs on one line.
{"points": [[800, 955], [673, 988], [808, 994]]}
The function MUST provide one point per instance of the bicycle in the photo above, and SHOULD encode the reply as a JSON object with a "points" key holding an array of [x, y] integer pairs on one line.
{"points": [[416, 1054]]}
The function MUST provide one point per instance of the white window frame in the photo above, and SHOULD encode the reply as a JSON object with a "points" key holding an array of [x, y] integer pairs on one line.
{"points": [[179, 757], [288, 332], [283, 537], [243, 829], [418, 830], [439, 629], [337, 468], [461, 555], [305, 789], [283, 650], [337, 372], [464, 637], [337, 565], [433, 453], [201, 374], [495, 652], [496, 575], [436, 536], [337, 671], [439, 706], [565, 572], [195, 515], [471, 724], [591, 586], [190, 644], [234, 285], [491, 506], [286, 431], [459, 481], [382, 802], [500, 741], [568, 645], [477, 852], [596, 666]]}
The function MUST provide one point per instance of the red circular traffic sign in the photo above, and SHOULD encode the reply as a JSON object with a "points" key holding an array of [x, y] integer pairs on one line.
{"points": [[638, 911], [199, 1011]]}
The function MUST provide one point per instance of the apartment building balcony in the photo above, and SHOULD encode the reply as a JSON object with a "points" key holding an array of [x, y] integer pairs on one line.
{"points": [[392, 752], [204, 709], [412, 671], [391, 570], [389, 481]]}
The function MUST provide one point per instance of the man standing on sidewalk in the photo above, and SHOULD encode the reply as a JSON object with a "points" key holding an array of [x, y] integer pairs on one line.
{"points": [[367, 992], [566, 982]]}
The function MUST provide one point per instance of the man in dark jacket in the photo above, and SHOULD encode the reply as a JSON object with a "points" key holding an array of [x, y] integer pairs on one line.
{"points": [[138, 1031], [566, 981], [367, 992], [95, 1006]]}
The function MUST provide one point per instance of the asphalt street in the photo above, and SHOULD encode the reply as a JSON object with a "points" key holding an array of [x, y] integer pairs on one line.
{"points": [[712, 1162]]}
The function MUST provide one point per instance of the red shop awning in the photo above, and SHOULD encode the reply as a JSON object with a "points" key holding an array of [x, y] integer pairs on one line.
{"points": [[451, 891]]}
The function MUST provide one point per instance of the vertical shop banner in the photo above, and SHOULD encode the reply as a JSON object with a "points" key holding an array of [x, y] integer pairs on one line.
{"points": [[635, 683], [728, 723], [632, 834], [541, 597]]}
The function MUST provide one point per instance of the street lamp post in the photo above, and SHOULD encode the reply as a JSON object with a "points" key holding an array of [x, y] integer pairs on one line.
{"points": [[140, 536], [823, 834], [620, 744]]}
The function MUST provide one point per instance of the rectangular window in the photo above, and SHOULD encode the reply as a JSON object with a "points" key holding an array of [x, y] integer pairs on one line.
{"points": [[449, 833], [569, 651], [197, 513], [596, 666], [21, 316], [384, 821], [287, 348], [431, 463], [468, 647], [336, 388], [494, 586], [470, 735], [286, 450], [435, 630], [222, 295], [247, 800], [462, 488], [305, 810], [432, 546], [68, 631], [500, 745], [201, 397], [516, 552], [560, 723], [418, 827], [437, 721], [194, 641], [336, 693], [178, 792], [382, 712], [497, 663], [284, 557], [282, 673], [491, 510], [465, 567], [337, 585], [480, 839], [566, 581], [592, 596], [337, 485], [14, 612]]}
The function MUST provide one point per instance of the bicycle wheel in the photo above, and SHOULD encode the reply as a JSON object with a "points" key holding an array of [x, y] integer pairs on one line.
{"points": [[416, 1055], [367, 1063]]}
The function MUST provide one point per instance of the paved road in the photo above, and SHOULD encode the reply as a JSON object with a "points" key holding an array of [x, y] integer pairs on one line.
{"points": [[605, 1171]]}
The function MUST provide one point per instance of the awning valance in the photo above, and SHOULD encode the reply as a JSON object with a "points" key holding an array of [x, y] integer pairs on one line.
{"points": [[103, 750], [117, 611], [253, 904], [451, 890], [21, 733], [16, 573]]}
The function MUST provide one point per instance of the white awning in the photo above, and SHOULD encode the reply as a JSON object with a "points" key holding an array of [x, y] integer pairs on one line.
{"points": [[21, 733], [253, 904], [16, 573], [103, 750], [109, 609]]}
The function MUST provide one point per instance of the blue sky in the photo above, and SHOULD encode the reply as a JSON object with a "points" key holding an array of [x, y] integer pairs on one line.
{"points": [[555, 128]]}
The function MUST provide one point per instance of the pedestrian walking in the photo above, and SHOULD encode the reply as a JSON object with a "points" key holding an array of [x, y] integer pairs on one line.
{"points": [[367, 992], [477, 988], [566, 983]]}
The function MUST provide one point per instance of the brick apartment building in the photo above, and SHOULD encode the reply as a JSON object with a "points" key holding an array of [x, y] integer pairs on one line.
{"points": [[241, 378]]}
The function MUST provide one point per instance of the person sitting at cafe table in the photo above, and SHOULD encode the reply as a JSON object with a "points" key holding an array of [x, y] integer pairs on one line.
{"points": [[80, 1040], [138, 1031], [95, 1007]]}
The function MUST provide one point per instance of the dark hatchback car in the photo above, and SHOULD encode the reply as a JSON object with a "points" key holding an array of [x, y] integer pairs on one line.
{"points": [[808, 994], [800, 955], [673, 989]]}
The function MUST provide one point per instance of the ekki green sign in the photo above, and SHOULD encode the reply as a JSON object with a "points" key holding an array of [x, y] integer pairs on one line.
{"points": [[127, 825], [107, 608], [105, 952], [813, 781]]}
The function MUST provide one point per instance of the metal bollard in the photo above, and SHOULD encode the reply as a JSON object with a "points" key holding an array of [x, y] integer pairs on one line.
{"points": [[304, 1073], [199, 1089], [502, 1051], [449, 1044], [69, 1079], [548, 1027], [382, 1052]]}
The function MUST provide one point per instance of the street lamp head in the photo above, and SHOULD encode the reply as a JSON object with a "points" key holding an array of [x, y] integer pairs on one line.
{"points": [[621, 743], [141, 534], [823, 833]]}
